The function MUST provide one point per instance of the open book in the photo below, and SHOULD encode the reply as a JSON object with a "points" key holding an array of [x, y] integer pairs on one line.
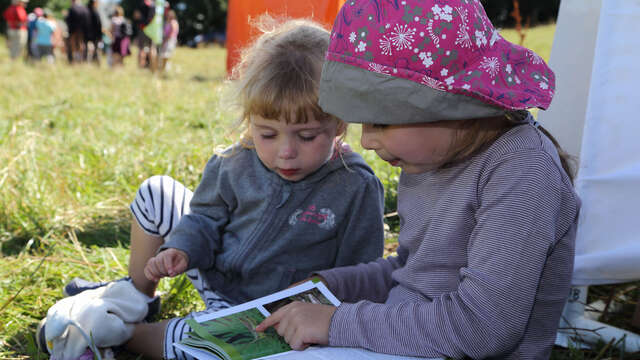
{"points": [[229, 334]]}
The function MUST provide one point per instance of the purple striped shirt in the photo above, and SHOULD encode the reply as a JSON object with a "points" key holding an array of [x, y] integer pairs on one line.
{"points": [[484, 260]]}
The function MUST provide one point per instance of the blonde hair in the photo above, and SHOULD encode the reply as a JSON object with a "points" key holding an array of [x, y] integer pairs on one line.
{"points": [[475, 135], [277, 76]]}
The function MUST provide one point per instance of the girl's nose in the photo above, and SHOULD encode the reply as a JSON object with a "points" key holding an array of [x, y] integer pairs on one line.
{"points": [[288, 150], [367, 139]]}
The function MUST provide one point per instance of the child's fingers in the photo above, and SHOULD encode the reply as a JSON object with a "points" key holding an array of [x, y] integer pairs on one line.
{"points": [[265, 324], [157, 268], [289, 327], [296, 340], [284, 322], [270, 321], [300, 347], [180, 264], [169, 264], [149, 271], [301, 324], [174, 262], [288, 332]]}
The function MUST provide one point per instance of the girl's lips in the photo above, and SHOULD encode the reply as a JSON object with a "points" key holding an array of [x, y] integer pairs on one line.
{"points": [[394, 162], [288, 172]]}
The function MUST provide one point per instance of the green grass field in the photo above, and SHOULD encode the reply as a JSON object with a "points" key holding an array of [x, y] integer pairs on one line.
{"points": [[75, 142]]}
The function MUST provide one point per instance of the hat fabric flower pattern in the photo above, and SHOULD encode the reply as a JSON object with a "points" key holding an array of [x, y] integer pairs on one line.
{"points": [[447, 45]]}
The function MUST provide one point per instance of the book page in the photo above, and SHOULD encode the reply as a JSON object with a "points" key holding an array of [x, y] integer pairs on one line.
{"points": [[313, 353], [234, 336], [280, 295], [230, 333], [196, 353], [338, 353]]}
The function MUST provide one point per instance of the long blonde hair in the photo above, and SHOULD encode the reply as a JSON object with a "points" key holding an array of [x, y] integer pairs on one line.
{"points": [[277, 76], [475, 135]]}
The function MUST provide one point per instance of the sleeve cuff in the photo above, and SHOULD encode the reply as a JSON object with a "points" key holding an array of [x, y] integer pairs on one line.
{"points": [[331, 278]]}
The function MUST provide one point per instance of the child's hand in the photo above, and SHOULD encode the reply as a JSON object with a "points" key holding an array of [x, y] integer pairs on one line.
{"points": [[301, 324], [170, 262]]}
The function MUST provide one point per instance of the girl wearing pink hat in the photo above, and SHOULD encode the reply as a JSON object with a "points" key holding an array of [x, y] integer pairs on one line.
{"points": [[487, 208]]}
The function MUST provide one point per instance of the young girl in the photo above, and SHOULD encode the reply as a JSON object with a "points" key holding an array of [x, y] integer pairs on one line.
{"points": [[169, 38], [45, 27], [287, 200], [486, 204], [120, 33]]}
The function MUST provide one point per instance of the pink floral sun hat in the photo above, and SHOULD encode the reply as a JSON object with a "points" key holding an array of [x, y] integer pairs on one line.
{"points": [[429, 60]]}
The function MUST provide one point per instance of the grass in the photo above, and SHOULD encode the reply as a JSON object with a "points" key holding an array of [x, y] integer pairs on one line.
{"points": [[75, 142]]}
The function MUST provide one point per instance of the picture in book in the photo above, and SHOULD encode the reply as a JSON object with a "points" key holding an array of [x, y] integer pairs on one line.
{"points": [[313, 296], [234, 337]]}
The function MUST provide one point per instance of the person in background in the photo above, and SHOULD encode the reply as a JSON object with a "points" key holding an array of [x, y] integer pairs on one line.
{"points": [[78, 20], [120, 35], [45, 27], [107, 43], [32, 48], [16, 17], [136, 20], [93, 40], [169, 38], [148, 53], [60, 36]]}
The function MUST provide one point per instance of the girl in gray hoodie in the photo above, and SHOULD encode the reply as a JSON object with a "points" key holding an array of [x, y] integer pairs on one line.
{"points": [[288, 199]]}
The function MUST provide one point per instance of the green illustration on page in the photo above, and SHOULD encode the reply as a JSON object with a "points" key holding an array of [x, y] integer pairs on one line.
{"points": [[234, 337]]}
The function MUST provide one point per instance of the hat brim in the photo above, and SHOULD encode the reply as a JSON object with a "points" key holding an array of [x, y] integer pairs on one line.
{"points": [[356, 95]]}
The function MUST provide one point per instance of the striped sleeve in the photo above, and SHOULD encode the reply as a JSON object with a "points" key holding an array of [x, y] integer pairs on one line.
{"points": [[159, 204]]}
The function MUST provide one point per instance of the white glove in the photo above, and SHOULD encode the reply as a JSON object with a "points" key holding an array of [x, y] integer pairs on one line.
{"points": [[105, 315]]}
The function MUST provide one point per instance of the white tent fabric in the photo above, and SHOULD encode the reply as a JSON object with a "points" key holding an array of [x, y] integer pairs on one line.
{"points": [[596, 56]]}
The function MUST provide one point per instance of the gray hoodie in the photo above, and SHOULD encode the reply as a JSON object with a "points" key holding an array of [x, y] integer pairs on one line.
{"points": [[252, 233]]}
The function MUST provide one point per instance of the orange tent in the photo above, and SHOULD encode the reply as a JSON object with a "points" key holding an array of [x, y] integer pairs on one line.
{"points": [[240, 33]]}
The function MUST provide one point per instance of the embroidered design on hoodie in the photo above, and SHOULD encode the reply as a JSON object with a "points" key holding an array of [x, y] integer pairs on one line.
{"points": [[324, 218]]}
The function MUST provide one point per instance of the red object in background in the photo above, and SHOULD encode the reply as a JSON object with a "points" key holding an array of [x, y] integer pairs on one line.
{"points": [[16, 17], [240, 33]]}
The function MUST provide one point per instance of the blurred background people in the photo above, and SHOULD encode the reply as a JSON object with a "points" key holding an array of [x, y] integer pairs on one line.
{"points": [[78, 20], [59, 35], [147, 53], [121, 36], [169, 38], [45, 27], [93, 38], [16, 17], [32, 48]]}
